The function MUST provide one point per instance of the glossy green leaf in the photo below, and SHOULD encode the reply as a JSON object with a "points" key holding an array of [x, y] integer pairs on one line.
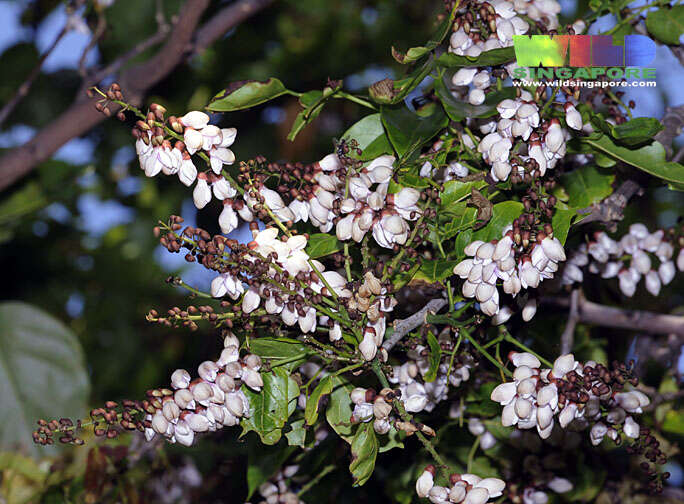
{"points": [[277, 349], [464, 217], [370, 136], [561, 222], [503, 215], [272, 406], [415, 53], [458, 110], [631, 133], [650, 158], [322, 244], [488, 58], [456, 191], [364, 451], [42, 374], [587, 185], [246, 94], [339, 411], [407, 131], [313, 402], [435, 355], [667, 25]]}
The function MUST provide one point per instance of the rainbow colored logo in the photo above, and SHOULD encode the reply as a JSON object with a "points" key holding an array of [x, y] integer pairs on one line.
{"points": [[585, 51]]}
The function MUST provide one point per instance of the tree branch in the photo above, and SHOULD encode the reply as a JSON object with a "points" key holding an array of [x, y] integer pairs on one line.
{"points": [[25, 87], [608, 316], [81, 116], [568, 336], [610, 209], [404, 326]]}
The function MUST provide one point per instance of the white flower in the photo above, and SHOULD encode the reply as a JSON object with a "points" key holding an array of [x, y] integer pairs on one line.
{"points": [[201, 195], [195, 119], [464, 76], [572, 117], [476, 97], [425, 482], [368, 347], [220, 156], [228, 220]]}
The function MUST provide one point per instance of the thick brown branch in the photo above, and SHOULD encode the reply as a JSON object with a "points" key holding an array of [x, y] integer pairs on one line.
{"points": [[184, 40], [404, 326], [608, 316]]}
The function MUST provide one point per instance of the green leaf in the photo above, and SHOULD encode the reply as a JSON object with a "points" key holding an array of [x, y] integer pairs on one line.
{"points": [[586, 186], [503, 215], [674, 422], [667, 25], [272, 406], [561, 222], [370, 137], [42, 374], [324, 388], [364, 448], [455, 191], [464, 218], [408, 131], [393, 439], [275, 349], [436, 270], [650, 158], [634, 132], [263, 462], [296, 436], [488, 58], [339, 411], [415, 53], [458, 110], [246, 94], [435, 356], [322, 244], [26, 200], [389, 91]]}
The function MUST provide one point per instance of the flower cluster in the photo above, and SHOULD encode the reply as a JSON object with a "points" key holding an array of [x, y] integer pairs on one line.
{"points": [[466, 488], [417, 393], [630, 259], [494, 24], [581, 393], [295, 273], [504, 260], [371, 406], [209, 402], [156, 154]]}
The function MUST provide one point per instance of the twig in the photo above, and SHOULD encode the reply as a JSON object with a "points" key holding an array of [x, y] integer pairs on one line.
{"points": [[99, 31], [24, 88], [608, 316], [404, 326], [568, 336], [81, 116], [673, 121]]}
